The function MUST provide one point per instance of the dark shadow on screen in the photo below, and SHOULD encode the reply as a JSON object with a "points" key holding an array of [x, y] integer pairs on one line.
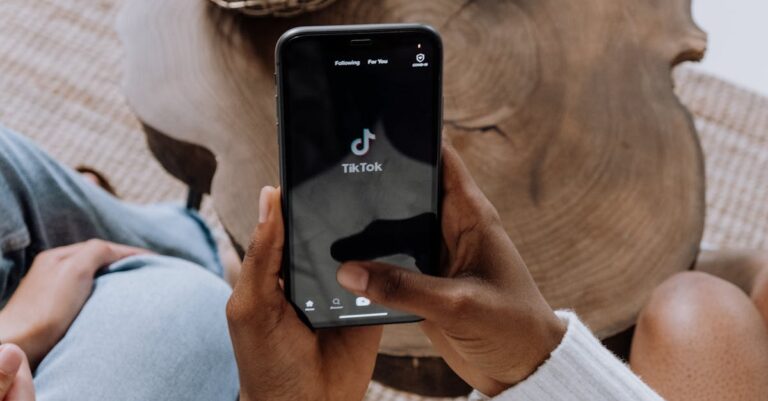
{"points": [[412, 236]]}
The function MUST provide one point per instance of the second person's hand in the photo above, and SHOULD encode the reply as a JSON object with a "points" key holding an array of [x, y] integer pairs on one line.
{"points": [[52, 293], [486, 317]]}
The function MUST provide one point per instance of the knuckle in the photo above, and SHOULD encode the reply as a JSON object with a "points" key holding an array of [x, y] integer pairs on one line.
{"points": [[393, 284], [252, 252], [43, 258], [492, 214], [94, 242], [246, 312], [462, 300], [97, 246], [486, 212], [46, 254], [261, 247], [480, 204], [484, 216], [239, 310], [234, 311]]}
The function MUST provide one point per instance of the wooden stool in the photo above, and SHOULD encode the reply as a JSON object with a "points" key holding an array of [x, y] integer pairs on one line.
{"points": [[563, 111]]}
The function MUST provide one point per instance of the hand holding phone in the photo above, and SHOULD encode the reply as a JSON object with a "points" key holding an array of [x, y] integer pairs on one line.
{"points": [[278, 356], [485, 316]]}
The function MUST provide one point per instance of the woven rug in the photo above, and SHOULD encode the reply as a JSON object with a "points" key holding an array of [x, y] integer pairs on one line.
{"points": [[60, 64], [733, 128]]}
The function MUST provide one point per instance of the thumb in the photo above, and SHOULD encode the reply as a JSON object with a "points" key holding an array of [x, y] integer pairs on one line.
{"points": [[261, 267], [23, 388], [432, 298], [11, 358]]}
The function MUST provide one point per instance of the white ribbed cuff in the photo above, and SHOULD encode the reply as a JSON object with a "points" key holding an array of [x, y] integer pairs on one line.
{"points": [[580, 368]]}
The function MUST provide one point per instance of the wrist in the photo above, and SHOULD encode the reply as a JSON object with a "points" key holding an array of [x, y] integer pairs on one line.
{"points": [[28, 339], [554, 332], [547, 334], [545, 331], [9, 331]]}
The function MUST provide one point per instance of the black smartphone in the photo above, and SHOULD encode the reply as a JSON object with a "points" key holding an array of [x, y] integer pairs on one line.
{"points": [[360, 116]]}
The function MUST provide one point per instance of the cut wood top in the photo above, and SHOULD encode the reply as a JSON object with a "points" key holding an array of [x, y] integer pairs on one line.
{"points": [[563, 111]]}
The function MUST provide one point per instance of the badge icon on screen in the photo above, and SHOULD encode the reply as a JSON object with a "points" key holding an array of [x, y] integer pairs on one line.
{"points": [[420, 57], [362, 301], [362, 145]]}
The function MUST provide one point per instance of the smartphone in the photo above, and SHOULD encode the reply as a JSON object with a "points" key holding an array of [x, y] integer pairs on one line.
{"points": [[359, 115]]}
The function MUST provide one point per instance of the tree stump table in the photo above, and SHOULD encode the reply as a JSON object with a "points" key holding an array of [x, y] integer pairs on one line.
{"points": [[563, 111]]}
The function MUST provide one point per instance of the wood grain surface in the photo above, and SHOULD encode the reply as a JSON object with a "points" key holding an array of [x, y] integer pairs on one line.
{"points": [[563, 111]]}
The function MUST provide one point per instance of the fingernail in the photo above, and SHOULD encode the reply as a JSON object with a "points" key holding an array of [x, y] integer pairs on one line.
{"points": [[353, 277], [264, 203], [9, 360]]}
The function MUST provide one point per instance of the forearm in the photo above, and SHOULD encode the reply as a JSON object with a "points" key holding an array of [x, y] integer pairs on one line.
{"points": [[580, 368]]}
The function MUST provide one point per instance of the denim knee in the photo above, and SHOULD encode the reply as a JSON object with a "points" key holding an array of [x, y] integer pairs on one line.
{"points": [[160, 320]]}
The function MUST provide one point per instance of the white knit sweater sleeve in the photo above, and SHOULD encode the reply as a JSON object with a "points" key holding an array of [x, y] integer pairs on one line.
{"points": [[580, 368]]}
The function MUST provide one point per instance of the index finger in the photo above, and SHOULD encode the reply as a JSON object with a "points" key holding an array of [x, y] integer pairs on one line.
{"points": [[456, 176], [95, 254]]}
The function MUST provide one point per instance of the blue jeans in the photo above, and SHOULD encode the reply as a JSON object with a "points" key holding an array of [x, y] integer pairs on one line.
{"points": [[154, 327]]}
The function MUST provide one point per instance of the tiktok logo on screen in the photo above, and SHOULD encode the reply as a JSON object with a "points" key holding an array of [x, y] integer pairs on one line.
{"points": [[360, 147]]}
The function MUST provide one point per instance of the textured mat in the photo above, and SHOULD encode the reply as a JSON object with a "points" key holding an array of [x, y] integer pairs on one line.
{"points": [[60, 85], [733, 128], [60, 64]]}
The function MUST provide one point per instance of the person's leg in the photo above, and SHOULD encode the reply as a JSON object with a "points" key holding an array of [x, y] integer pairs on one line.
{"points": [[746, 269], [701, 338], [154, 329], [45, 205], [759, 292]]}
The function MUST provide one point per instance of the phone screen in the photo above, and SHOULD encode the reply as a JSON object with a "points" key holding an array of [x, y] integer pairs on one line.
{"points": [[360, 116]]}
